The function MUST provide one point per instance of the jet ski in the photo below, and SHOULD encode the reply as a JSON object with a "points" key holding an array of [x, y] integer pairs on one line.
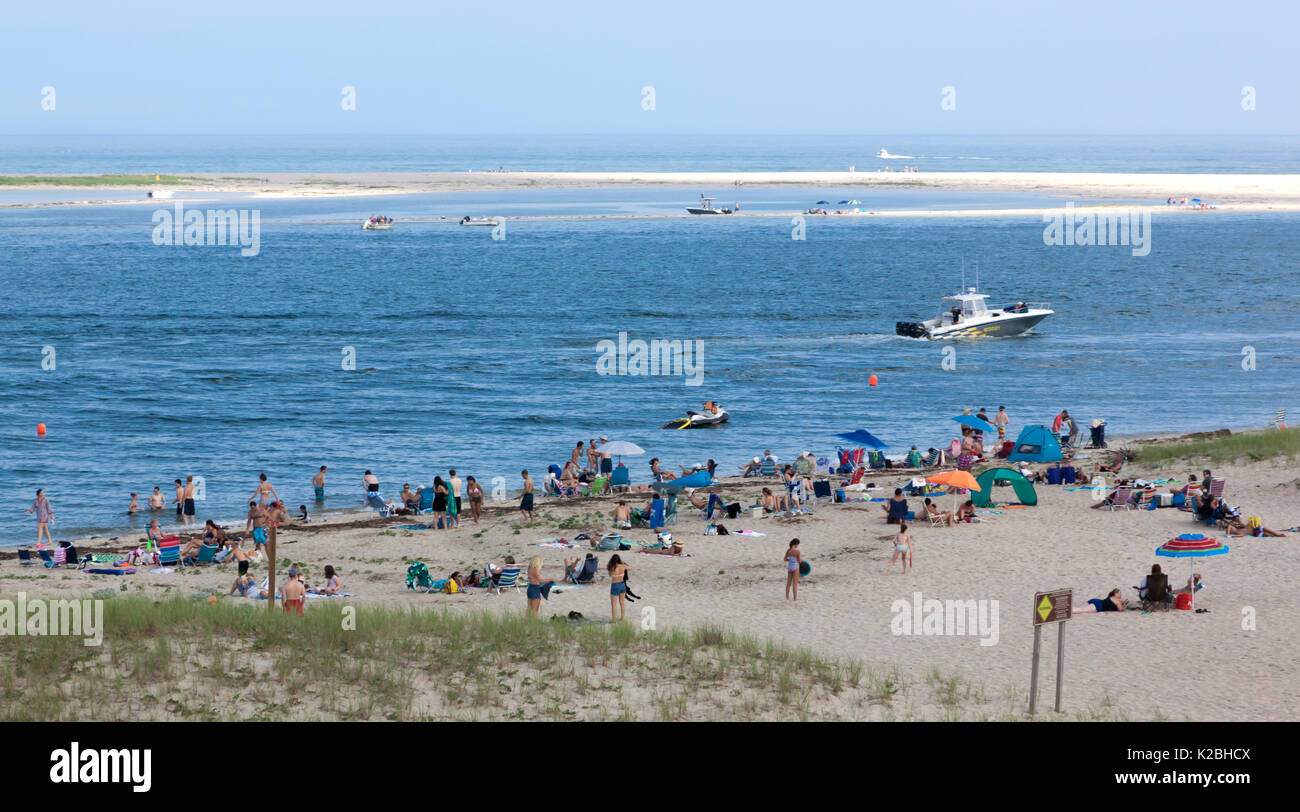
{"points": [[700, 420]]}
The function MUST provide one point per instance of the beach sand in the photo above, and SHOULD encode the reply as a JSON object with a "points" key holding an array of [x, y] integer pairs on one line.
{"points": [[1279, 192], [1172, 665]]}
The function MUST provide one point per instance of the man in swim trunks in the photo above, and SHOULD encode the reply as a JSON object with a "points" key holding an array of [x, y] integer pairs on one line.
{"points": [[257, 522], [241, 557], [370, 482], [318, 482], [189, 501], [526, 501], [623, 516], [180, 500], [1001, 421], [455, 483], [277, 514], [156, 500], [606, 461], [293, 592]]}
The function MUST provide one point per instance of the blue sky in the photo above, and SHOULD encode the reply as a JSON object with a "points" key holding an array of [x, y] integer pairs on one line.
{"points": [[556, 66]]}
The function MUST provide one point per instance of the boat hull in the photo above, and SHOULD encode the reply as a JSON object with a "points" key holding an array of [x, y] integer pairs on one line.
{"points": [[376, 226], [1000, 327]]}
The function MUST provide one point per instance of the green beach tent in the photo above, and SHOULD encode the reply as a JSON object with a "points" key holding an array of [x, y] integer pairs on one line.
{"points": [[1025, 493]]}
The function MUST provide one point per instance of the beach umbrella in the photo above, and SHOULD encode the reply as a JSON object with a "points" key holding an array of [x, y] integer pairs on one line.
{"points": [[822, 203], [863, 437], [841, 203], [1192, 545], [955, 479], [618, 448], [975, 422]]}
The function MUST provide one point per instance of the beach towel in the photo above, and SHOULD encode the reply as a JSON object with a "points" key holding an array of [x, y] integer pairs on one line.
{"points": [[113, 571], [162, 571], [561, 544], [313, 594], [411, 527], [748, 533]]}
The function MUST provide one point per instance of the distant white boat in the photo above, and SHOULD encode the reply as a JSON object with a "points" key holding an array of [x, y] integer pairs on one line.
{"points": [[480, 221], [161, 194], [706, 207], [378, 224], [970, 317], [884, 154]]}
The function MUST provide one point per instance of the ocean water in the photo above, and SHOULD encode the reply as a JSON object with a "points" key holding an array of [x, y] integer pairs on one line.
{"points": [[481, 354], [575, 153]]}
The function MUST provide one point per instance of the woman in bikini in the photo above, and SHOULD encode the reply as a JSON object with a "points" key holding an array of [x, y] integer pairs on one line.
{"points": [[792, 561], [475, 492], [264, 493], [944, 516], [440, 492], [617, 589], [902, 548]]}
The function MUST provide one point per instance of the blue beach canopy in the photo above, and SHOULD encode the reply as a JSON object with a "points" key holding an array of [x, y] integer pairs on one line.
{"points": [[975, 422], [1036, 444], [699, 479], [863, 437]]}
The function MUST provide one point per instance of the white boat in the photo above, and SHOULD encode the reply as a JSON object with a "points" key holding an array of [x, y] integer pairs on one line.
{"points": [[706, 207], [161, 194], [378, 225], [969, 316], [479, 221]]}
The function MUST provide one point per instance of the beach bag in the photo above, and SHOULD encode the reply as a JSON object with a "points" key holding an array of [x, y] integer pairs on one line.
{"points": [[1067, 475], [1183, 601], [733, 510], [1053, 476], [723, 531], [839, 494]]}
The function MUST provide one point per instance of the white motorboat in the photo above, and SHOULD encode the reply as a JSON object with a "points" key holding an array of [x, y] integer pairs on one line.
{"points": [[969, 316], [161, 194], [378, 224], [479, 221], [706, 207]]}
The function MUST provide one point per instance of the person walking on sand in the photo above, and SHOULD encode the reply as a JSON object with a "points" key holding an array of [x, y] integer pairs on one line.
{"points": [[264, 493], [537, 588], [902, 549], [318, 482], [526, 501], [189, 501], [792, 561], [617, 588], [475, 493], [44, 515], [257, 522]]}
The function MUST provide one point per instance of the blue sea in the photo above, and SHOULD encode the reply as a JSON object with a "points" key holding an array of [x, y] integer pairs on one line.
{"points": [[147, 363]]}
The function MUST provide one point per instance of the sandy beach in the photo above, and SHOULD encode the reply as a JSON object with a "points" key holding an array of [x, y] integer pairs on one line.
{"points": [[1280, 192], [1163, 665]]}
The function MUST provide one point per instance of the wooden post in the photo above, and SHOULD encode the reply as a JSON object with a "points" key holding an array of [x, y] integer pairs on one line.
{"points": [[1033, 677], [1060, 662], [270, 568]]}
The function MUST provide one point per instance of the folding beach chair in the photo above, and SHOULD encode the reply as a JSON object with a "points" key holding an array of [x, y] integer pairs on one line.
{"points": [[47, 558], [509, 578], [426, 500], [1216, 488], [587, 572], [1122, 499], [620, 479], [205, 556], [855, 478], [767, 467], [25, 557], [1279, 420], [598, 486], [171, 554]]}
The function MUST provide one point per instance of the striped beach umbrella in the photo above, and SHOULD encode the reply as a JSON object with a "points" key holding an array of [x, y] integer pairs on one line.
{"points": [[1192, 545]]}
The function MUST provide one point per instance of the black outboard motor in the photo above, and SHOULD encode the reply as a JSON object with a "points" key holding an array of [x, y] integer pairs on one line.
{"points": [[910, 329]]}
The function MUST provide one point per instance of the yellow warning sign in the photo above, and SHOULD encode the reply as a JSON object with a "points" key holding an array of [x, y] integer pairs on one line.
{"points": [[1052, 607]]}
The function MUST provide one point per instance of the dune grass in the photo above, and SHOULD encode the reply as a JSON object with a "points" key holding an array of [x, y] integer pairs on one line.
{"points": [[1251, 445], [190, 659], [93, 180]]}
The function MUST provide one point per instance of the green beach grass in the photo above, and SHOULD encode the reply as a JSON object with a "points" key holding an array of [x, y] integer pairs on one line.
{"points": [[94, 180], [1256, 445], [191, 659]]}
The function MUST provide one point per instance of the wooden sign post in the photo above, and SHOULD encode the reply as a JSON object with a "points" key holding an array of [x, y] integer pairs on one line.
{"points": [[270, 573], [1050, 607]]}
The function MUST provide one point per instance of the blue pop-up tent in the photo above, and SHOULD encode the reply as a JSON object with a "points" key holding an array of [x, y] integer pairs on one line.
{"points": [[1036, 444]]}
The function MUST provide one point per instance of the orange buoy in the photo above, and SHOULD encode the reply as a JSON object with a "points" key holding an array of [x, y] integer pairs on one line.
{"points": [[40, 429], [872, 380]]}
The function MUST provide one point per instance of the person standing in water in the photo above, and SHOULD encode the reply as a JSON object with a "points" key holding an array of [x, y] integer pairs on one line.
{"points": [[264, 492], [44, 515], [792, 561], [189, 501], [318, 482], [180, 501]]}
